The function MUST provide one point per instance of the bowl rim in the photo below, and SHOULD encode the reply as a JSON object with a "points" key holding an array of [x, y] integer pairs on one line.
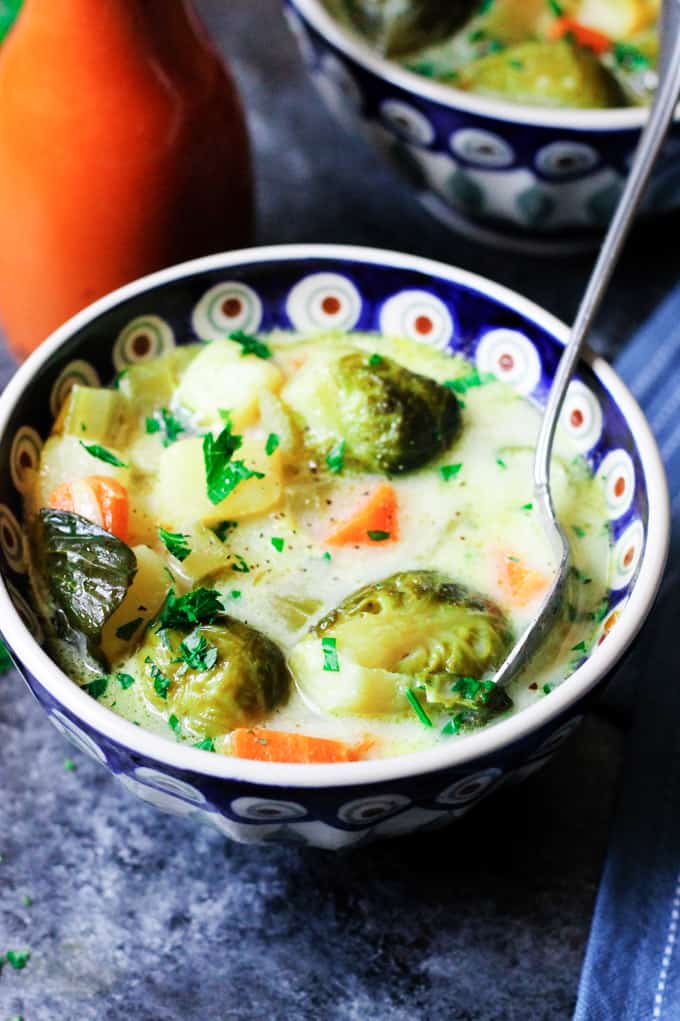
{"points": [[446, 755], [625, 118]]}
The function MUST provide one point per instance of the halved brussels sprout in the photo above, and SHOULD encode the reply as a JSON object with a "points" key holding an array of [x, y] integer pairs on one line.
{"points": [[414, 630], [544, 74], [397, 26], [212, 679], [387, 418]]}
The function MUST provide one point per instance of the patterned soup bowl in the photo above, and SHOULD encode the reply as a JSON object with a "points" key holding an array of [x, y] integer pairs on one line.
{"points": [[529, 178], [311, 288]]}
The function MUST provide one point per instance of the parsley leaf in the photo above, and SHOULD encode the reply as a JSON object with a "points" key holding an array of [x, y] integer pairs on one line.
{"points": [[222, 475], [5, 658], [197, 652], [418, 709], [161, 683], [174, 724], [271, 444], [201, 606], [241, 567], [335, 459], [127, 630], [449, 471], [251, 345], [223, 529], [375, 359], [375, 535], [164, 421], [18, 959], [103, 454], [125, 680], [206, 745], [97, 687], [175, 543], [330, 656], [278, 543]]}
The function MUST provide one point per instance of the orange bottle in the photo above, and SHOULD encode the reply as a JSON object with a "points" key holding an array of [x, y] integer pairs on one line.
{"points": [[123, 149]]}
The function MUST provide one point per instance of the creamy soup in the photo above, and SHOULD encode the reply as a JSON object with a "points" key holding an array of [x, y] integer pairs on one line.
{"points": [[564, 53], [307, 549]]}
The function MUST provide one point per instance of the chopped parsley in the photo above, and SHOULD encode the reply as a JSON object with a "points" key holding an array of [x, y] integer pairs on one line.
{"points": [[335, 459], [161, 683], [330, 655], [127, 630], [17, 959], [235, 594], [629, 57], [223, 529], [556, 8], [418, 709], [222, 474], [164, 421], [175, 543], [97, 687], [206, 745], [117, 378], [69, 766], [95, 450], [125, 680], [527, 506], [278, 543], [250, 345], [578, 530], [547, 688], [375, 359], [449, 471], [579, 647], [197, 652], [465, 383], [375, 535], [241, 567], [501, 463], [174, 724], [580, 576], [327, 556], [272, 444], [201, 606]]}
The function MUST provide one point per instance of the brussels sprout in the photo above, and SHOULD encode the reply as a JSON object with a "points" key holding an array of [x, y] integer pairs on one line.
{"points": [[396, 26], [414, 630], [213, 678], [544, 74], [387, 418]]}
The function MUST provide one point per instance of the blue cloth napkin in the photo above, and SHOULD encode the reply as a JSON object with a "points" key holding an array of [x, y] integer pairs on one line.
{"points": [[632, 966]]}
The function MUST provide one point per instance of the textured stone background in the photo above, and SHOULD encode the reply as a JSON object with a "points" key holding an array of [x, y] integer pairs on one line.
{"points": [[137, 915]]}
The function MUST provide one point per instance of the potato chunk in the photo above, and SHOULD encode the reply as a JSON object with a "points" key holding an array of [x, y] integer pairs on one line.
{"points": [[182, 496], [222, 377]]}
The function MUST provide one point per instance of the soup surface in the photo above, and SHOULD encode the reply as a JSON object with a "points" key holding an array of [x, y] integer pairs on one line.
{"points": [[307, 548], [571, 53]]}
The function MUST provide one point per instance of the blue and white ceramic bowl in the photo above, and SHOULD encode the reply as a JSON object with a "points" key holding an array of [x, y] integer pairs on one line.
{"points": [[531, 178], [332, 806]]}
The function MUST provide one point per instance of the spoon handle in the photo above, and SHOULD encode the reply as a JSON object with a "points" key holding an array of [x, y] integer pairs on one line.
{"points": [[651, 140]]}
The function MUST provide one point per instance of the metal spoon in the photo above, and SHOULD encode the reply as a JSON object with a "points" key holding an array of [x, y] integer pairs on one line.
{"points": [[651, 140]]}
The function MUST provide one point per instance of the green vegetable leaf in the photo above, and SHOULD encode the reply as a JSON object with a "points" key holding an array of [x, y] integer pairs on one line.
{"points": [[271, 444], [125, 680], [278, 543], [197, 652], [103, 454], [18, 959], [69, 766], [222, 475], [335, 459], [161, 683], [206, 745], [578, 530], [6, 662], [330, 655], [175, 543], [97, 687], [174, 724], [250, 345], [223, 529], [418, 709], [375, 359], [127, 630], [241, 567], [167, 423], [88, 572], [449, 471], [375, 535], [201, 606], [547, 688]]}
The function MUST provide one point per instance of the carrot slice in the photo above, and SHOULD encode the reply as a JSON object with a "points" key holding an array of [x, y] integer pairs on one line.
{"points": [[522, 583], [280, 746], [587, 37], [374, 522], [98, 498]]}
